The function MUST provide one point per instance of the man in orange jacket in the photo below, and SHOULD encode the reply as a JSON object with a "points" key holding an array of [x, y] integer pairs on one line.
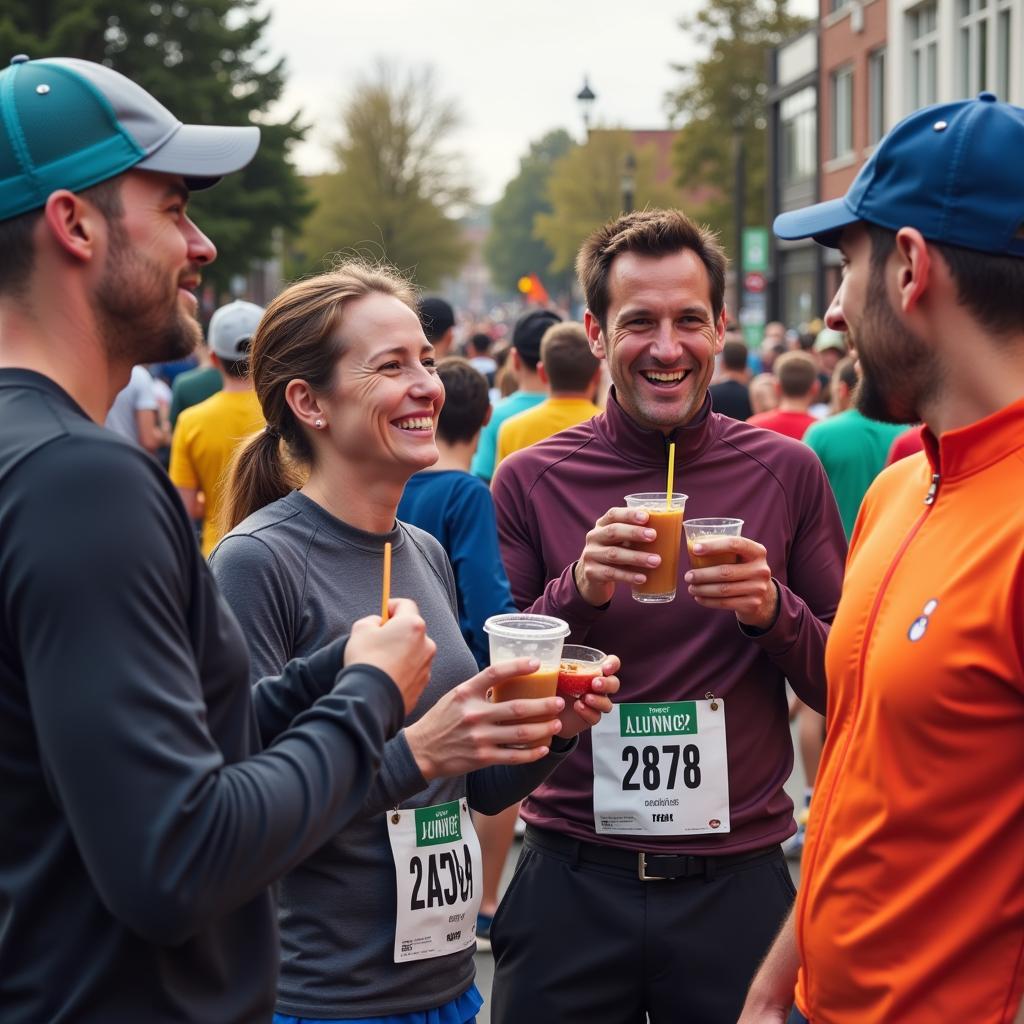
{"points": [[912, 902]]}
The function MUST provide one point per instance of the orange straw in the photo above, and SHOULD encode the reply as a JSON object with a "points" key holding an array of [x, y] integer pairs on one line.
{"points": [[387, 584], [671, 475]]}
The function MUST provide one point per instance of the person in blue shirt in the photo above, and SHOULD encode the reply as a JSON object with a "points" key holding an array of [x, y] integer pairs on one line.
{"points": [[531, 390]]}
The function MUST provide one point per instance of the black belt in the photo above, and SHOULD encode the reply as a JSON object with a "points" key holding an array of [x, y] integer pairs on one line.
{"points": [[648, 867]]}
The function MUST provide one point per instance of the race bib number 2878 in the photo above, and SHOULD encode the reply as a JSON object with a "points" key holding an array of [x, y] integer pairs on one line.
{"points": [[662, 769]]}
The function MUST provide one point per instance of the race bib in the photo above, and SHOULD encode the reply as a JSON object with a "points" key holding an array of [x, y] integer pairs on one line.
{"points": [[661, 769], [439, 872]]}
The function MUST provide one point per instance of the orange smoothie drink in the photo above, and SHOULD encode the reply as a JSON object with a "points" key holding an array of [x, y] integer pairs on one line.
{"points": [[527, 636], [706, 529], [667, 522], [706, 560], [543, 683]]}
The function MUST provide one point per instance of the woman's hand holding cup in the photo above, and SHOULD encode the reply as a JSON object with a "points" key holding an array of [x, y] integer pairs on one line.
{"points": [[466, 730]]}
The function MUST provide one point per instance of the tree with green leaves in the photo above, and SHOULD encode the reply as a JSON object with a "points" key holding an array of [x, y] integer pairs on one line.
{"points": [[723, 96], [585, 190], [513, 250], [399, 188], [204, 60]]}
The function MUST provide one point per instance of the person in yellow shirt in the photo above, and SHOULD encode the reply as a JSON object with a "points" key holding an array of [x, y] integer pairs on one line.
{"points": [[571, 373], [206, 435]]}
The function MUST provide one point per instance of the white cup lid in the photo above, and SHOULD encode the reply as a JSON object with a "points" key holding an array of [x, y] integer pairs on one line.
{"points": [[524, 626]]}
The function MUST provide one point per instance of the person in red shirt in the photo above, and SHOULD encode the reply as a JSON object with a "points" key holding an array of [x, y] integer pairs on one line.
{"points": [[798, 385], [911, 903], [908, 443]]}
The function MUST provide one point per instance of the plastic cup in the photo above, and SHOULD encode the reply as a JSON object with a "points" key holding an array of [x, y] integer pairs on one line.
{"points": [[523, 635], [667, 522], [704, 529], [579, 668]]}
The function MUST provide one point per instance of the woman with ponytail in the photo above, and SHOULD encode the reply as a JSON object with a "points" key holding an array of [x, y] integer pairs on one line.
{"points": [[377, 926]]}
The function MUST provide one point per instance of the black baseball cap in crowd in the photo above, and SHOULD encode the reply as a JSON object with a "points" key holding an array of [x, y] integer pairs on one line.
{"points": [[528, 331], [436, 316], [69, 123]]}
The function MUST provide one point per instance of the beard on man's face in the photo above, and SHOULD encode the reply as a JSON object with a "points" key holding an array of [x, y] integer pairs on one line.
{"points": [[138, 307], [898, 373]]}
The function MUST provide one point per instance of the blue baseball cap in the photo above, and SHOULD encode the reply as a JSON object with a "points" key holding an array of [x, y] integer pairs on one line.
{"points": [[67, 123], [953, 171]]}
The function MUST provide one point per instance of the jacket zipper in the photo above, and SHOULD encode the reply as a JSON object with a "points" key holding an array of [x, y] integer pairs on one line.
{"points": [[929, 501]]}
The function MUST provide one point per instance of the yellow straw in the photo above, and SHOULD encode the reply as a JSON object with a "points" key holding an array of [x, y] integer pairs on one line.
{"points": [[671, 475], [387, 584]]}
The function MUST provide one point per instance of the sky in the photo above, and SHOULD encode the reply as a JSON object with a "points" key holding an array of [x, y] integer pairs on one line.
{"points": [[513, 66]]}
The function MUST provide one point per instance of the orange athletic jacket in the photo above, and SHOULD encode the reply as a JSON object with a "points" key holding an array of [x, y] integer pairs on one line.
{"points": [[912, 903]]}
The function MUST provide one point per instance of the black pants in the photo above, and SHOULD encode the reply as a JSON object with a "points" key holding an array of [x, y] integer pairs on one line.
{"points": [[584, 943]]}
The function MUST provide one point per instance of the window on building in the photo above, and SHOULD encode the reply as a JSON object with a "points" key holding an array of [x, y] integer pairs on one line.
{"points": [[1004, 22], [876, 95], [842, 111], [923, 66], [798, 284], [972, 46], [983, 46], [837, 5], [798, 130]]}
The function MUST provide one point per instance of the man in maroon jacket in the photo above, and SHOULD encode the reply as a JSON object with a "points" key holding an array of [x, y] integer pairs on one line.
{"points": [[652, 881]]}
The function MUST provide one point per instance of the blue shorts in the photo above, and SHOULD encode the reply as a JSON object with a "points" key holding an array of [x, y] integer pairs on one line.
{"points": [[461, 1010]]}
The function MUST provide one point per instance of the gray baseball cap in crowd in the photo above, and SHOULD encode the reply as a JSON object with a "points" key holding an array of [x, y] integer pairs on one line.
{"points": [[68, 123], [828, 338], [231, 329]]}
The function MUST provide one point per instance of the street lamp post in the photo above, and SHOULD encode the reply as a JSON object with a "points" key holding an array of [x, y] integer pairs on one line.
{"points": [[628, 182], [585, 98], [739, 208]]}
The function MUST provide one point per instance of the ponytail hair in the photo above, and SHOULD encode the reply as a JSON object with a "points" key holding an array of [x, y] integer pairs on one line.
{"points": [[257, 475], [300, 337]]}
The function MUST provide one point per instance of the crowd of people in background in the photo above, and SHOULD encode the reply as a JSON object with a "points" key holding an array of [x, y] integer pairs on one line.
{"points": [[540, 380]]}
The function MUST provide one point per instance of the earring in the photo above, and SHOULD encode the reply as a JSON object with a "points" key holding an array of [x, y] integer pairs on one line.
{"points": [[319, 424]]}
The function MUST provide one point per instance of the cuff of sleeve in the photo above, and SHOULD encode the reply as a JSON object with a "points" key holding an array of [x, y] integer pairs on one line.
{"points": [[400, 776], [358, 676], [780, 636], [562, 598], [325, 664], [562, 748]]}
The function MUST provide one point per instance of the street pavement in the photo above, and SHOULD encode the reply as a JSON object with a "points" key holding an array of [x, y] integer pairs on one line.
{"points": [[484, 961]]}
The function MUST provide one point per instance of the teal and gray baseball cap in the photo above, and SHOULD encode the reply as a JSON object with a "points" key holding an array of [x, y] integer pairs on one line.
{"points": [[68, 123]]}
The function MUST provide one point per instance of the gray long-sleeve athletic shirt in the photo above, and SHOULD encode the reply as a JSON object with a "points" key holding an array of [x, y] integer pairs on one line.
{"points": [[296, 576], [141, 824]]}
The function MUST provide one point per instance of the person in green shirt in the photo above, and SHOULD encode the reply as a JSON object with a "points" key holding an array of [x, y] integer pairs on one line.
{"points": [[852, 448], [192, 387]]}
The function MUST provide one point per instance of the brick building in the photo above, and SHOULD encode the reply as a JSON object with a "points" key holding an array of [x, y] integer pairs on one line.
{"points": [[877, 61], [796, 284]]}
